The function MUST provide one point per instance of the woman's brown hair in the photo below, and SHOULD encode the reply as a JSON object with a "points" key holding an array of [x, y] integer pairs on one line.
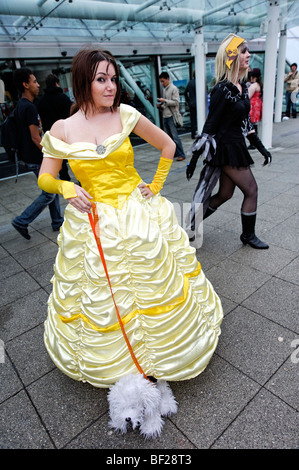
{"points": [[84, 67]]}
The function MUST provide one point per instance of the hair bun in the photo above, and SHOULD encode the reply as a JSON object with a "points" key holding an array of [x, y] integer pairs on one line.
{"points": [[255, 72]]}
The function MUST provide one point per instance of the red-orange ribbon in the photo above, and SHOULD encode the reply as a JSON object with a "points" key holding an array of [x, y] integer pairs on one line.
{"points": [[94, 222]]}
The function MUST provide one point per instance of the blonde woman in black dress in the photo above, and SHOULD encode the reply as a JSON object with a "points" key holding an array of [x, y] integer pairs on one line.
{"points": [[223, 141]]}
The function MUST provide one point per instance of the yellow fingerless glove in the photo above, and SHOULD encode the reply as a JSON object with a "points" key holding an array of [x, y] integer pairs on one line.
{"points": [[161, 174], [51, 185]]}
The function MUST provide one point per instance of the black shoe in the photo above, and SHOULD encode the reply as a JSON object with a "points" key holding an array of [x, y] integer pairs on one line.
{"points": [[254, 242], [22, 231], [251, 147], [56, 229]]}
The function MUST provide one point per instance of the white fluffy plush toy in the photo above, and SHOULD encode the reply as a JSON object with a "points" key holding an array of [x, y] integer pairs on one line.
{"points": [[135, 401]]}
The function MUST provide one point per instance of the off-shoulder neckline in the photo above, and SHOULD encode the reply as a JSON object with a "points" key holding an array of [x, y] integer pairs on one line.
{"points": [[73, 144], [92, 144]]}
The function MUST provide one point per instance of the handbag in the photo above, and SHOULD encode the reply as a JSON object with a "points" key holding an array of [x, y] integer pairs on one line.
{"points": [[177, 118]]}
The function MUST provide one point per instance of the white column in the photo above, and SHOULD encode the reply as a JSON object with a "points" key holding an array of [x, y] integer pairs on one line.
{"points": [[269, 72], [200, 78], [280, 75]]}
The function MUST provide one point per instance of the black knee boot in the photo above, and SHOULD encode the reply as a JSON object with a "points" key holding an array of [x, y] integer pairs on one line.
{"points": [[251, 146], [248, 235], [209, 212]]}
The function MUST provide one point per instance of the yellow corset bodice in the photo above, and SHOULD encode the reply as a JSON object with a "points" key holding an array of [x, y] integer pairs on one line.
{"points": [[110, 180], [109, 177]]}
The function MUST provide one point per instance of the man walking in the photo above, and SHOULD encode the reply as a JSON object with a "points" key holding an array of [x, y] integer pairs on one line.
{"points": [[30, 131], [170, 103], [292, 88]]}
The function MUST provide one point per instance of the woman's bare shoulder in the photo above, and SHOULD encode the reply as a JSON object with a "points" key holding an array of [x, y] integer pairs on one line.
{"points": [[59, 128]]}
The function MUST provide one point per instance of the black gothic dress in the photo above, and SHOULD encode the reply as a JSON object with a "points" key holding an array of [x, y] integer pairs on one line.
{"points": [[223, 141], [229, 122]]}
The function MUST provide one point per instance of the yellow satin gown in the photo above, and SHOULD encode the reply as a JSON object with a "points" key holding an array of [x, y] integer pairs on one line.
{"points": [[169, 309]]}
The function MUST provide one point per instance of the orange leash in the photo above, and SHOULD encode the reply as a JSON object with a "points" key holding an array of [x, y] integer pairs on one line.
{"points": [[94, 222]]}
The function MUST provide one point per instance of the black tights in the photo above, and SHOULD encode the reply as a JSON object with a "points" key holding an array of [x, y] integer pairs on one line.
{"points": [[244, 180]]}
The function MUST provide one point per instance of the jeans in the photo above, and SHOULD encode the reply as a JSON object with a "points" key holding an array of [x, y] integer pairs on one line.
{"points": [[39, 204], [171, 130], [291, 104]]}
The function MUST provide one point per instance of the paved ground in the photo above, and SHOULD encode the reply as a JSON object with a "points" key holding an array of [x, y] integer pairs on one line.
{"points": [[248, 395]]}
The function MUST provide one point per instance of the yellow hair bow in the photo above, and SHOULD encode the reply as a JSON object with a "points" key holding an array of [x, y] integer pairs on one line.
{"points": [[232, 50]]}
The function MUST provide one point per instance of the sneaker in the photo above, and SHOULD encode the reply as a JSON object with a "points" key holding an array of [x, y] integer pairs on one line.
{"points": [[22, 231]]}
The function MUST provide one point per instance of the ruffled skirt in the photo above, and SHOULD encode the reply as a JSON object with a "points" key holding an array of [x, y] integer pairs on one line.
{"points": [[169, 309], [233, 154]]}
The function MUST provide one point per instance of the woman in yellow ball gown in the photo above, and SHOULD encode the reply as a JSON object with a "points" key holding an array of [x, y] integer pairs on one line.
{"points": [[169, 311]]}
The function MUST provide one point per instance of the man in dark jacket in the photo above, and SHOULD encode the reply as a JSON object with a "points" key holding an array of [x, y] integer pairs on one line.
{"points": [[54, 105], [190, 96]]}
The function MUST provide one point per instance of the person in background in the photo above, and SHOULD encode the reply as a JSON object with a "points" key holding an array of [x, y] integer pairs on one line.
{"points": [[30, 133], [54, 105], [292, 86], [137, 102], [190, 96], [255, 93], [169, 104]]}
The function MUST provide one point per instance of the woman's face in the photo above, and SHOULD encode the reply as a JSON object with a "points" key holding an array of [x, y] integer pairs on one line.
{"points": [[244, 58], [104, 85]]}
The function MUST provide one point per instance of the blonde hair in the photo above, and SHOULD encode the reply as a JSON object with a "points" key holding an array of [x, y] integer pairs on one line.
{"points": [[222, 72]]}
